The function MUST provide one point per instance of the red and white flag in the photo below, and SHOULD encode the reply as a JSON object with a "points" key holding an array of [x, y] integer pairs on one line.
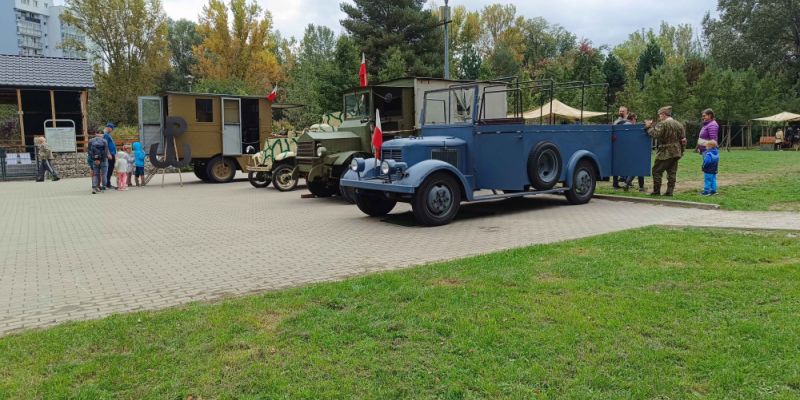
{"points": [[273, 94], [377, 135], [362, 72]]}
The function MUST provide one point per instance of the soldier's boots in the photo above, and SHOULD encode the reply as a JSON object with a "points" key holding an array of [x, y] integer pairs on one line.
{"points": [[656, 190], [670, 189]]}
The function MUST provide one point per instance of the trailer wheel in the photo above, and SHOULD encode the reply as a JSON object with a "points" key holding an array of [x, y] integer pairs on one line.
{"points": [[437, 200], [584, 182], [221, 169], [200, 171], [374, 203], [544, 166], [282, 178], [323, 188], [259, 179]]}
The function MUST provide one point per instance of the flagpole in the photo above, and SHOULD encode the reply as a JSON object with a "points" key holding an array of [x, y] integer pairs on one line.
{"points": [[446, 21]]}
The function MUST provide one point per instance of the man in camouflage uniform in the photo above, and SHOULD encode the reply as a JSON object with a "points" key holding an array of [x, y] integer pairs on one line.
{"points": [[671, 136]]}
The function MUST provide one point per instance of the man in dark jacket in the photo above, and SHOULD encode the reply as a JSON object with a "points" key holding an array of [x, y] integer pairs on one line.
{"points": [[112, 149], [98, 159]]}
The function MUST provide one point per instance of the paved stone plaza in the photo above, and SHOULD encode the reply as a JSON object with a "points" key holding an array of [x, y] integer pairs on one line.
{"points": [[66, 254]]}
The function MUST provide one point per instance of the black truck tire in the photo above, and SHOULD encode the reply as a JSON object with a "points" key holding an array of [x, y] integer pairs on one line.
{"points": [[282, 177], [200, 171], [584, 181], [437, 200], [321, 188], [544, 166], [259, 179], [374, 204]]}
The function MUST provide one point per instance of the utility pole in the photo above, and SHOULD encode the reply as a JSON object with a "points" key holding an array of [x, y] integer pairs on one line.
{"points": [[445, 11]]}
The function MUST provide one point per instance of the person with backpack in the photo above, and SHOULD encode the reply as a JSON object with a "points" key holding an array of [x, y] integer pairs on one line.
{"points": [[99, 156]]}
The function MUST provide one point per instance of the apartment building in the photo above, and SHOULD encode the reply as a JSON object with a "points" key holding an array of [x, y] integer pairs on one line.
{"points": [[33, 28]]}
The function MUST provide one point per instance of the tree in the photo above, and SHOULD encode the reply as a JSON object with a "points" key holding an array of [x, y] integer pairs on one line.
{"points": [[183, 38], [130, 48], [764, 34], [377, 25], [394, 67], [614, 73], [650, 59], [666, 85], [238, 45], [469, 66], [312, 81]]}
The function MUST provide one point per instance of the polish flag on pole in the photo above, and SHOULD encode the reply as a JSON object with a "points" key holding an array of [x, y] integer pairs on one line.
{"points": [[362, 72], [273, 94], [377, 135]]}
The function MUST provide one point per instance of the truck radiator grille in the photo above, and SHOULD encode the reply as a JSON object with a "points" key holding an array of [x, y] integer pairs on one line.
{"points": [[305, 149], [392, 154], [449, 156]]}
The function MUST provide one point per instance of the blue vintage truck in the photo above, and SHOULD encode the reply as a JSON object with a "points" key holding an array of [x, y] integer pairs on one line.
{"points": [[467, 152]]}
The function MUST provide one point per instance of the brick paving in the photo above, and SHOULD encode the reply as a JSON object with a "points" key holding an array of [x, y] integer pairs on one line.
{"points": [[68, 255]]}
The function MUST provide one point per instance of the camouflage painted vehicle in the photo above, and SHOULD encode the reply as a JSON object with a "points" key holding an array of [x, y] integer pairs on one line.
{"points": [[274, 164], [323, 157]]}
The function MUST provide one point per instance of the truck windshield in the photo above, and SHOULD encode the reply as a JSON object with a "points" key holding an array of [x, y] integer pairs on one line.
{"points": [[450, 106], [355, 105]]}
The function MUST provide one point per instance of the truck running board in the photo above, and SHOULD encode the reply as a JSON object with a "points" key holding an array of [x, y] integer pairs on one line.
{"points": [[496, 196]]}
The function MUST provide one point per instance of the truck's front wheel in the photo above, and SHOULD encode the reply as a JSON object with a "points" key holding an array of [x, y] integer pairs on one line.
{"points": [[221, 169], [374, 204], [584, 182], [437, 200], [323, 188], [282, 178], [259, 179]]}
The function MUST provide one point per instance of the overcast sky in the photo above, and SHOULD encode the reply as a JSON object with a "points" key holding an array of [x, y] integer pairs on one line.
{"points": [[601, 21]]}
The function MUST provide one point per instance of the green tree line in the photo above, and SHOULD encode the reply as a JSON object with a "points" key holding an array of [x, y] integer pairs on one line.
{"points": [[744, 63]]}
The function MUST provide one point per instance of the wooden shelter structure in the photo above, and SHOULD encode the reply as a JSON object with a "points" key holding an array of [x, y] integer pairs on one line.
{"points": [[46, 91]]}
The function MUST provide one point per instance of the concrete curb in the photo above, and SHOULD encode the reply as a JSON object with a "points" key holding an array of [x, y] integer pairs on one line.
{"points": [[659, 202]]}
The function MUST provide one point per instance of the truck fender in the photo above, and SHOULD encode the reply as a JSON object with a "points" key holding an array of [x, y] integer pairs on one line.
{"points": [[573, 162], [285, 156], [422, 170], [342, 158]]}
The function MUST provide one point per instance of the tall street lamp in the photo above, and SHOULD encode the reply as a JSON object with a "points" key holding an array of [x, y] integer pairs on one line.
{"points": [[445, 11]]}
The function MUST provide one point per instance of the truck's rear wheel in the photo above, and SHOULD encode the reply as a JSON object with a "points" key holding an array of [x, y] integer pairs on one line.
{"points": [[282, 178], [259, 179], [437, 200], [221, 169], [544, 166], [374, 204], [584, 181], [323, 188]]}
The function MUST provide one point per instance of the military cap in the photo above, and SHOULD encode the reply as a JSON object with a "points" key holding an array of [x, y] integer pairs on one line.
{"points": [[665, 110]]}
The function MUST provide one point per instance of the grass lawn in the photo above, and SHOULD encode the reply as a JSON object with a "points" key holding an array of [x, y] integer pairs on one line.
{"points": [[649, 313], [748, 180]]}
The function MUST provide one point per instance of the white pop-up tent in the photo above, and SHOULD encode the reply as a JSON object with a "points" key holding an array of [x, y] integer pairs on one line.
{"points": [[557, 109], [780, 117]]}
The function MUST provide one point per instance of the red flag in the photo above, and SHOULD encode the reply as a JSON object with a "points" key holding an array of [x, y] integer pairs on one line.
{"points": [[377, 135], [273, 94], [362, 72]]}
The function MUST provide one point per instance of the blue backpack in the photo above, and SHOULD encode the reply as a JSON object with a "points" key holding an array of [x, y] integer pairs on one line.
{"points": [[97, 149]]}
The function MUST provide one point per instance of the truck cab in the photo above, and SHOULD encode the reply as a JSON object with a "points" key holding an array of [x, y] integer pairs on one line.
{"points": [[471, 150]]}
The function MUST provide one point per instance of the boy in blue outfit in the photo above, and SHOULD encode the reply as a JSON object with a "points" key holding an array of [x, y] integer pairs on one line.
{"points": [[138, 157], [710, 167]]}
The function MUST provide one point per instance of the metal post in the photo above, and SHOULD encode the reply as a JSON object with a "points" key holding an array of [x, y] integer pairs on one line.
{"points": [[446, 21]]}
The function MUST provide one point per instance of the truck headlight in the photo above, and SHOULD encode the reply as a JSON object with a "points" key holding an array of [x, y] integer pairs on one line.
{"points": [[358, 165], [321, 150], [386, 167]]}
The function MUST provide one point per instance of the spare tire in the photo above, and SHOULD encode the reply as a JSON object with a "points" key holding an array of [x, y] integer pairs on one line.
{"points": [[544, 166]]}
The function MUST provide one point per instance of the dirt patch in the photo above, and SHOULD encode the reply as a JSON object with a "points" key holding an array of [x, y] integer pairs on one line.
{"points": [[546, 277], [269, 320], [449, 282], [785, 206]]}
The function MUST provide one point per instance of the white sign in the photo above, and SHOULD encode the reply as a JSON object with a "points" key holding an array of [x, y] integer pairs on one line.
{"points": [[61, 139]]}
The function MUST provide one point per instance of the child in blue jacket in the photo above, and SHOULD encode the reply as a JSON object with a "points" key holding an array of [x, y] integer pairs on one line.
{"points": [[710, 167], [138, 162]]}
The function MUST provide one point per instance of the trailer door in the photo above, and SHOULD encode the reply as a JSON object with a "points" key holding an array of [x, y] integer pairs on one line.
{"points": [[631, 151], [151, 122], [231, 126]]}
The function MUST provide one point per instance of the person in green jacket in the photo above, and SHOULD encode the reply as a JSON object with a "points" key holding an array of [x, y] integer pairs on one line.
{"points": [[671, 136]]}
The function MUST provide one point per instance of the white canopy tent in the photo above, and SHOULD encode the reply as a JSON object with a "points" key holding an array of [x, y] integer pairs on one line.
{"points": [[559, 110], [780, 117]]}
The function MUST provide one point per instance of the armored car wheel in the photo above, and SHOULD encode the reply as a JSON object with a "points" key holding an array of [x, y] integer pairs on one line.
{"points": [[374, 204], [437, 200], [322, 188], [220, 170], [584, 181], [282, 178], [544, 166], [259, 179]]}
